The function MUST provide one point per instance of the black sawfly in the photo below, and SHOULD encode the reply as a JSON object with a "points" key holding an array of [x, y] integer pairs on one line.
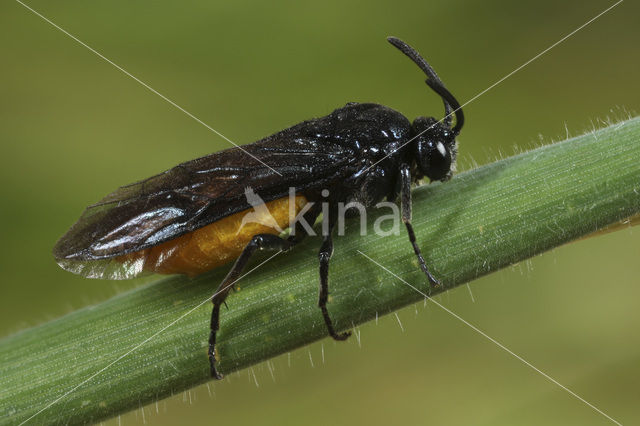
{"points": [[189, 219]]}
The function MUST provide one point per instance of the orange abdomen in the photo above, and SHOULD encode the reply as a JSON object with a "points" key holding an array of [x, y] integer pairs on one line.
{"points": [[219, 242]]}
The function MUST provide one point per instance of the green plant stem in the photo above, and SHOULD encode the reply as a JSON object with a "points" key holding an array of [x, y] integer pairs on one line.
{"points": [[151, 342]]}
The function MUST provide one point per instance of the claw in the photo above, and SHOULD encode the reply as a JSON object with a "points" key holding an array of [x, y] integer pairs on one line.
{"points": [[212, 364], [342, 336]]}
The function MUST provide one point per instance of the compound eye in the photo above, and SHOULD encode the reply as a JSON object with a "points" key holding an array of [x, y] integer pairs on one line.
{"points": [[433, 159]]}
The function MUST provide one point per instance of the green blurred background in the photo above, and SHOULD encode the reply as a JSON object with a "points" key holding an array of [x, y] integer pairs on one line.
{"points": [[73, 128]]}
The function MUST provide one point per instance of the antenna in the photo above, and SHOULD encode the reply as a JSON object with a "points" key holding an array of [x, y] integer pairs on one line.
{"points": [[451, 105]]}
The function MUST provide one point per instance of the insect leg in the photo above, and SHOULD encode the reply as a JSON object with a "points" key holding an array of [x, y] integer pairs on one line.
{"points": [[310, 218], [405, 176], [260, 241], [326, 250]]}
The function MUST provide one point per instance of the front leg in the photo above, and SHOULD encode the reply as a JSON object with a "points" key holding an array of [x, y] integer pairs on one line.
{"points": [[405, 182]]}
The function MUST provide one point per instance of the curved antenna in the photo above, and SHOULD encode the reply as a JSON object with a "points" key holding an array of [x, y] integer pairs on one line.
{"points": [[451, 105]]}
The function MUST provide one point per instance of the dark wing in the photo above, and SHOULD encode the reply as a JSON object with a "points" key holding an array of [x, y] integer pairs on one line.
{"points": [[199, 192]]}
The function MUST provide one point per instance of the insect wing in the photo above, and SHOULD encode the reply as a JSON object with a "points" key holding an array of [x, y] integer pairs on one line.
{"points": [[197, 193]]}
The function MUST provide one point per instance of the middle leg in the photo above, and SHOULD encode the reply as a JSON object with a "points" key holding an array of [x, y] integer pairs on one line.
{"points": [[326, 250]]}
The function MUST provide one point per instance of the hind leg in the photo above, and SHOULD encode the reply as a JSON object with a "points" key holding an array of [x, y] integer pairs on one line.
{"points": [[260, 241]]}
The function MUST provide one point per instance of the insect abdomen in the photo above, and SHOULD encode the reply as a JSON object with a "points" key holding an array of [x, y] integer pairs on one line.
{"points": [[219, 242]]}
